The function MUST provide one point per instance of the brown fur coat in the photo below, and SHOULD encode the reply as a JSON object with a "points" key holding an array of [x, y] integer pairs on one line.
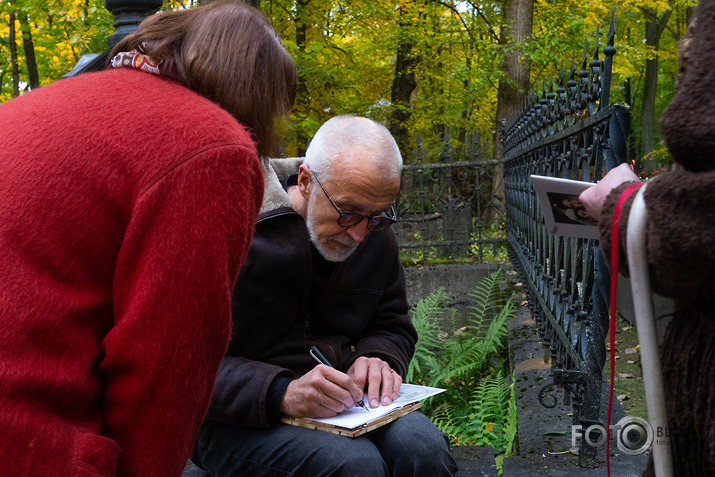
{"points": [[681, 253]]}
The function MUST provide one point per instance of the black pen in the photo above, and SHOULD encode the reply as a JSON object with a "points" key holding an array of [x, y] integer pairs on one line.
{"points": [[315, 353]]}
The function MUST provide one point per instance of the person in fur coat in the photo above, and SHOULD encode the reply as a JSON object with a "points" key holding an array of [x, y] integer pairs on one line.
{"points": [[128, 199], [681, 248]]}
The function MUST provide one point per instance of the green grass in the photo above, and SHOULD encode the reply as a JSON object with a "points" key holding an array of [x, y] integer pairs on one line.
{"points": [[628, 383]]}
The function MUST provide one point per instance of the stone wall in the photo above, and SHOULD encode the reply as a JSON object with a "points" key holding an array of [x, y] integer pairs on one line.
{"points": [[457, 280]]}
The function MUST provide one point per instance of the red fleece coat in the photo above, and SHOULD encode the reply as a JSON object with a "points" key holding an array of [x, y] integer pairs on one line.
{"points": [[127, 203]]}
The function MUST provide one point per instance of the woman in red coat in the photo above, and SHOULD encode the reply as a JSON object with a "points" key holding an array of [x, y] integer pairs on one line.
{"points": [[127, 203]]}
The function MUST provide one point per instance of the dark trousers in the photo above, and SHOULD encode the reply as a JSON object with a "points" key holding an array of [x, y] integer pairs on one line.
{"points": [[409, 446]]}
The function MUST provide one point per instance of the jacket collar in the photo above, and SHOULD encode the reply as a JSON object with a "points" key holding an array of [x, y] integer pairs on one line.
{"points": [[275, 172]]}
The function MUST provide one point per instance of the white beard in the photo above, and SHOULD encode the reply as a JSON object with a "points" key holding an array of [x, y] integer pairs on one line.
{"points": [[337, 255]]}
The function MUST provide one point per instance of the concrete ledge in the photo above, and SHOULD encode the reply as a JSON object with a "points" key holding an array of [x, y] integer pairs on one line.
{"points": [[475, 461]]}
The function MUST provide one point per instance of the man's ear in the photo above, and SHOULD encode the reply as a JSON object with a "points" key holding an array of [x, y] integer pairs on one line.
{"points": [[305, 182]]}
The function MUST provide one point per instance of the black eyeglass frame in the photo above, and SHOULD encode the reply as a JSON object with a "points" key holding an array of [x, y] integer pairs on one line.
{"points": [[374, 222]]}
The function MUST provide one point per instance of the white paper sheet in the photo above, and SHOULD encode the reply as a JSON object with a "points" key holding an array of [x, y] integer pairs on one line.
{"points": [[357, 416]]}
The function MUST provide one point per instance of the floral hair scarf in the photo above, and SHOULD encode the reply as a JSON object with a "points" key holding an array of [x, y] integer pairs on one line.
{"points": [[139, 61]]}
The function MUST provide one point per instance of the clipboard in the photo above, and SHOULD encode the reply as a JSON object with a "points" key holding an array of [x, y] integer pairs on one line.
{"points": [[356, 431]]}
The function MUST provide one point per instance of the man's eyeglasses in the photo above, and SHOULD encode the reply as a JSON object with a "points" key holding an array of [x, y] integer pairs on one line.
{"points": [[348, 219]]}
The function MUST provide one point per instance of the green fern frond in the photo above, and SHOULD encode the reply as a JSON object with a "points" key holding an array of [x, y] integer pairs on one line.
{"points": [[426, 315], [478, 407], [489, 407], [511, 421], [444, 418], [487, 301], [468, 353], [465, 360], [483, 298]]}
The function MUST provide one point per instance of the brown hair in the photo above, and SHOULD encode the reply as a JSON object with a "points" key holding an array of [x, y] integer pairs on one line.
{"points": [[228, 52]]}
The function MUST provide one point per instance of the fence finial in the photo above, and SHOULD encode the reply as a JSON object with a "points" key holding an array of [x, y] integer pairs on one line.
{"points": [[595, 66], [559, 109], [608, 52]]}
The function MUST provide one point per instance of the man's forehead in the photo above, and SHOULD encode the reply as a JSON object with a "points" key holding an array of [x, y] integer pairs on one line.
{"points": [[363, 163], [371, 182], [367, 197]]}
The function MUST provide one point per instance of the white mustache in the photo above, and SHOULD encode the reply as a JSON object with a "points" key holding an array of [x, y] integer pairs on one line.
{"points": [[347, 243]]}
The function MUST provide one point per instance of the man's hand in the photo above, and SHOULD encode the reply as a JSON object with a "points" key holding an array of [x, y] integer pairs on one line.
{"points": [[322, 392], [594, 197], [383, 384]]}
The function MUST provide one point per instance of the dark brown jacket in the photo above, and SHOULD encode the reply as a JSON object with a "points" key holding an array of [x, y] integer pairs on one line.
{"points": [[361, 312]]}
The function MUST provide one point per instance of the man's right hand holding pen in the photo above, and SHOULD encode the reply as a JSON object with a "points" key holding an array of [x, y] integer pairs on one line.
{"points": [[325, 391]]}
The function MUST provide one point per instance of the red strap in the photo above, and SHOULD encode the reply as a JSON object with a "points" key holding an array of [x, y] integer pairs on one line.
{"points": [[614, 280]]}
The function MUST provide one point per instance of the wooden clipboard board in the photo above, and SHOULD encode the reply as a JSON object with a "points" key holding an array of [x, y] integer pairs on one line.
{"points": [[357, 431]]}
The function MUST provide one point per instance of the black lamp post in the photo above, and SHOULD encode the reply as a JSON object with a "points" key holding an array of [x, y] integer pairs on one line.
{"points": [[127, 15]]}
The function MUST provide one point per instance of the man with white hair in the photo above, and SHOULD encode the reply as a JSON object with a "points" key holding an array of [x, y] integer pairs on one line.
{"points": [[323, 270]]}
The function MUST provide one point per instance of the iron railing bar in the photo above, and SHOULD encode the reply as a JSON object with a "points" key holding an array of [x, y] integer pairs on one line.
{"points": [[450, 165], [599, 116]]}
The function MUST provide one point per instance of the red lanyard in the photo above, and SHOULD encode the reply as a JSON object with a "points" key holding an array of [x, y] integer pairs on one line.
{"points": [[614, 279]]}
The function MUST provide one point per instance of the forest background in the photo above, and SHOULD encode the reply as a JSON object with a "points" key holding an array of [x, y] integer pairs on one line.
{"points": [[426, 68]]}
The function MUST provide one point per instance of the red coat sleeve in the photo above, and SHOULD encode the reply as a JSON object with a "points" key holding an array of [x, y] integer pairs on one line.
{"points": [[187, 237]]}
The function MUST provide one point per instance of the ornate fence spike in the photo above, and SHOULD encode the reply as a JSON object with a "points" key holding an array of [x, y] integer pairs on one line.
{"points": [[608, 52], [583, 82], [595, 48], [572, 90], [544, 119], [560, 108], [536, 126], [595, 66]]}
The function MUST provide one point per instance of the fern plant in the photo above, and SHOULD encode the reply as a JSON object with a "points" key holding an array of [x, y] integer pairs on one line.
{"points": [[426, 316], [511, 424], [478, 407]]}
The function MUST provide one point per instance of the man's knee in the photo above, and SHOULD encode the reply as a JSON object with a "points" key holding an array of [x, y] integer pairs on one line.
{"points": [[408, 454], [359, 466]]}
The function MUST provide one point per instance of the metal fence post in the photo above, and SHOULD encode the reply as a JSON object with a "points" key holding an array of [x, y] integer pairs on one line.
{"points": [[127, 16]]}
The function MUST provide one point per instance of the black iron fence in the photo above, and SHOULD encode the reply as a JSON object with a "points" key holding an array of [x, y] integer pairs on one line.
{"points": [[443, 208], [568, 130]]}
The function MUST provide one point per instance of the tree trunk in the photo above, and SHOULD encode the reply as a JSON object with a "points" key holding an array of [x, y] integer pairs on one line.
{"points": [[403, 84], [13, 54], [653, 30], [301, 100], [518, 22], [27, 45], [632, 155]]}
